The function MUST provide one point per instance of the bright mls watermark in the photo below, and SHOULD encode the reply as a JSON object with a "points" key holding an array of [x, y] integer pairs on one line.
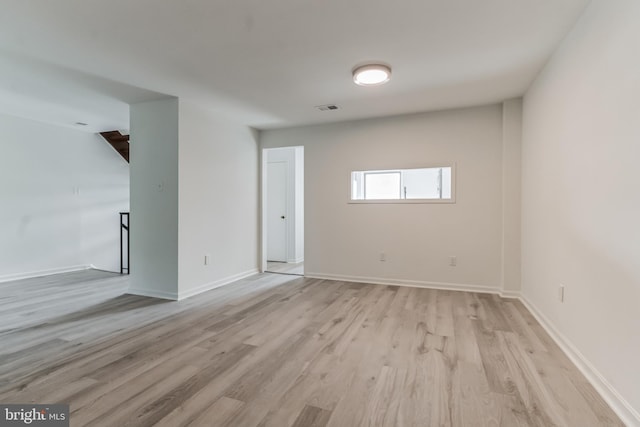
{"points": [[34, 415]]}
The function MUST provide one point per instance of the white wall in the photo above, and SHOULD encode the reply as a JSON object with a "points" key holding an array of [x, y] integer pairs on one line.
{"points": [[511, 197], [194, 192], [60, 192], [580, 198], [345, 240], [218, 200], [154, 198]]}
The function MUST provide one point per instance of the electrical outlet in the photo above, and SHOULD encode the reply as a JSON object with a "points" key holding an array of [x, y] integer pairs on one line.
{"points": [[207, 259], [453, 261], [383, 256], [561, 293]]}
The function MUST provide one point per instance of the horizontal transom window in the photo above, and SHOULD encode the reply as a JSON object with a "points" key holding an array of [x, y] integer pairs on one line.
{"points": [[430, 184]]}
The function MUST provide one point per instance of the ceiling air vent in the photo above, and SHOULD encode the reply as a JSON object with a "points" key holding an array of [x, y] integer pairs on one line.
{"points": [[327, 107]]}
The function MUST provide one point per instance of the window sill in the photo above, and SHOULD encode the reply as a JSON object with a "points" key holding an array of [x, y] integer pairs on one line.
{"points": [[402, 202]]}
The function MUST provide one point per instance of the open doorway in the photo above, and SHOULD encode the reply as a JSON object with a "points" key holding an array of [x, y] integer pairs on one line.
{"points": [[283, 210]]}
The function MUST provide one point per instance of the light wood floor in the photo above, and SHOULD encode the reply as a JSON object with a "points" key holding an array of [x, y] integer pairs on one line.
{"points": [[276, 350], [286, 268]]}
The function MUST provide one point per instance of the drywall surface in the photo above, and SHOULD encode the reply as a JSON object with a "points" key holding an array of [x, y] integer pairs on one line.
{"points": [[346, 240], [61, 191], [511, 188], [218, 200], [154, 198], [580, 198]]}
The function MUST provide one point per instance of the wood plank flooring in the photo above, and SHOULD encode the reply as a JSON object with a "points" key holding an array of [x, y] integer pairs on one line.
{"points": [[277, 350]]}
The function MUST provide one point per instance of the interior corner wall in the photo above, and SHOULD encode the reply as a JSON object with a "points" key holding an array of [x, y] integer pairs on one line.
{"points": [[344, 240], [218, 213], [511, 191], [154, 198], [580, 198], [61, 191]]}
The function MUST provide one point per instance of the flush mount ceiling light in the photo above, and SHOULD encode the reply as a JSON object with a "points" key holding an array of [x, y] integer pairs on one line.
{"points": [[371, 74]]}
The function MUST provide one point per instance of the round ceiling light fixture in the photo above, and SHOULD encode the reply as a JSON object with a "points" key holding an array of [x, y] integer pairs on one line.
{"points": [[371, 74]]}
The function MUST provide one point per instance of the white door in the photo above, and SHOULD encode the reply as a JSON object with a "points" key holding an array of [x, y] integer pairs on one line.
{"points": [[277, 211]]}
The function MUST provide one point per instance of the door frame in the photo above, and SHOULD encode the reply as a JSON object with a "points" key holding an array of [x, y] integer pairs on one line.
{"points": [[263, 205]]}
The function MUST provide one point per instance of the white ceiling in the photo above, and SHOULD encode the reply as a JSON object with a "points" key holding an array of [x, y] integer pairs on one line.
{"points": [[267, 63]]}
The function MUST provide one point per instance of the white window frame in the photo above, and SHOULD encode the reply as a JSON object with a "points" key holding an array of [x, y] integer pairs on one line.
{"points": [[451, 165]]}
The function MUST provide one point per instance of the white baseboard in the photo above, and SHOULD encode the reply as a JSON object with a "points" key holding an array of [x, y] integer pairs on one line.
{"points": [[510, 294], [403, 282], [40, 273], [620, 406], [295, 260], [153, 293], [218, 283], [195, 291]]}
